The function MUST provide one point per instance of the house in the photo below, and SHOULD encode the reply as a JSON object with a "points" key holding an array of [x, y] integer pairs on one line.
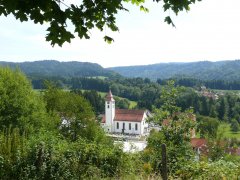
{"points": [[207, 93], [199, 145], [124, 121]]}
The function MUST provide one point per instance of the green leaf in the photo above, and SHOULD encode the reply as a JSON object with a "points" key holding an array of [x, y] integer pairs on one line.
{"points": [[144, 9], [169, 21], [108, 39]]}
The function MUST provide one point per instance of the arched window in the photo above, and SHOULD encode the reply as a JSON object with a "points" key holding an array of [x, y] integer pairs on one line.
{"points": [[130, 126], [117, 125], [136, 126]]}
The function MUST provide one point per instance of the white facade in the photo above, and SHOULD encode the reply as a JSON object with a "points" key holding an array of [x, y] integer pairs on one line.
{"points": [[131, 127], [110, 114], [137, 125]]}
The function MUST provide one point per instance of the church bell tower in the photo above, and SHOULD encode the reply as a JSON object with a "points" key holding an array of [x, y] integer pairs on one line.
{"points": [[109, 111]]}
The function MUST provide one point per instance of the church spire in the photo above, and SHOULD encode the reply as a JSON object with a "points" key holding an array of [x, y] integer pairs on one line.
{"points": [[109, 96]]}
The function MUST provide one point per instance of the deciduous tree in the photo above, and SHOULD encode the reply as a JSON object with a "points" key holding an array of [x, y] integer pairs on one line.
{"points": [[175, 130], [20, 106]]}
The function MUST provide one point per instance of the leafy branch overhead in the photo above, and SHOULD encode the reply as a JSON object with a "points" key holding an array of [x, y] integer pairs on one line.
{"points": [[86, 15]]}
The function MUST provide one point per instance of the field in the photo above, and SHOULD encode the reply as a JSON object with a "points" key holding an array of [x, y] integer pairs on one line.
{"points": [[227, 133], [133, 104]]}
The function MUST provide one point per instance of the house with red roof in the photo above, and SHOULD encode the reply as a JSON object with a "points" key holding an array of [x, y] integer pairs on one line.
{"points": [[123, 120], [199, 145]]}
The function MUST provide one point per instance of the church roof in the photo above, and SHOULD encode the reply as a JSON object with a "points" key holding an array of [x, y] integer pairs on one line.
{"points": [[129, 115], [198, 142], [132, 115], [109, 96]]}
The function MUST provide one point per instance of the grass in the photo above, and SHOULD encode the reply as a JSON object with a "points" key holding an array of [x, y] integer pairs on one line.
{"points": [[225, 129], [227, 133], [132, 105]]}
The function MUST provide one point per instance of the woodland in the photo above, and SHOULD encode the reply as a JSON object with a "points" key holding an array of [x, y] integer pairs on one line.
{"points": [[36, 145]]}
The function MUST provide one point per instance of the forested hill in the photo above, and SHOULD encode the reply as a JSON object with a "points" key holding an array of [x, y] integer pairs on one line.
{"points": [[204, 70], [63, 69]]}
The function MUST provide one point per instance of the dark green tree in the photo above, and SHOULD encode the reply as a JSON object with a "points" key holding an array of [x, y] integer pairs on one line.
{"points": [[207, 127], [122, 103], [234, 125], [223, 109], [204, 110]]}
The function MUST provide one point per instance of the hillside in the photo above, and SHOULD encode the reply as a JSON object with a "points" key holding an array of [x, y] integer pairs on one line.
{"points": [[63, 69], [204, 70]]}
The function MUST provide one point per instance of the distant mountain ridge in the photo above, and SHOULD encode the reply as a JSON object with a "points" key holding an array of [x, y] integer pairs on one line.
{"points": [[62, 69], [204, 70]]}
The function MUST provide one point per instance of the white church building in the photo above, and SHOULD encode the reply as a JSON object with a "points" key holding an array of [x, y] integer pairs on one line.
{"points": [[124, 120]]}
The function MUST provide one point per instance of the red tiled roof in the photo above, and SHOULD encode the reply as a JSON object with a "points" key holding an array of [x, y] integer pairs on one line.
{"points": [[109, 96], [198, 142], [129, 115]]}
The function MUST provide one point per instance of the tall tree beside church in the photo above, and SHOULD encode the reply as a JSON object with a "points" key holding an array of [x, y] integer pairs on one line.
{"points": [[75, 111], [94, 98]]}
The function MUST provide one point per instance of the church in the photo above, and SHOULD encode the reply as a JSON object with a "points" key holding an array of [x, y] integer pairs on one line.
{"points": [[124, 121]]}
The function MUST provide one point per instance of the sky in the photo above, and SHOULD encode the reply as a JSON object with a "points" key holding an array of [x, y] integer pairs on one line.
{"points": [[209, 31]]}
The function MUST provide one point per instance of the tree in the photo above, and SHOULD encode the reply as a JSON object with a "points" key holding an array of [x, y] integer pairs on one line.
{"points": [[223, 109], [207, 126], [234, 126], [97, 102], [175, 130], [20, 106], [74, 110], [122, 103], [84, 16]]}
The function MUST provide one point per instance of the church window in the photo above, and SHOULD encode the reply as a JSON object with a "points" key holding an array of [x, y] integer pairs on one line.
{"points": [[123, 126], [117, 125], [136, 126], [130, 126], [108, 106]]}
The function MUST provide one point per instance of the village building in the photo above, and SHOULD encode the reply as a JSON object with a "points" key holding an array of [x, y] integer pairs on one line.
{"points": [[207, 93], [125, 121]]}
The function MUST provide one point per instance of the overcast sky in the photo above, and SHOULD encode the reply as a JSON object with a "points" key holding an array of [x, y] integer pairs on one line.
{"points": [[210, 31]]}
